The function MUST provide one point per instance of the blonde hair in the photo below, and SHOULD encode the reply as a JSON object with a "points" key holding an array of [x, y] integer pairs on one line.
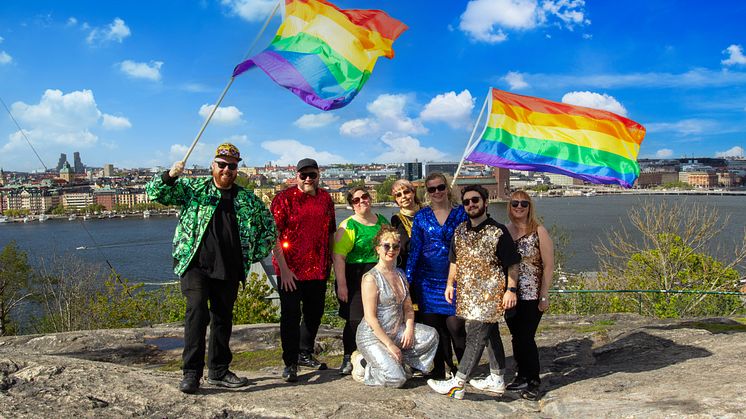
{"points": [[531, 223], [454, 200], [386, 230], [403, 183]]}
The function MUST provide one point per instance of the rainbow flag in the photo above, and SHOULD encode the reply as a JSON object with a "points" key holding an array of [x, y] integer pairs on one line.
{"points": [[528, 133], [324, 54]]}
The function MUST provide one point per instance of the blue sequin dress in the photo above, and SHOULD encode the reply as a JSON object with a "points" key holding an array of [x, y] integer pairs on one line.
{"points": [[427, 267]]}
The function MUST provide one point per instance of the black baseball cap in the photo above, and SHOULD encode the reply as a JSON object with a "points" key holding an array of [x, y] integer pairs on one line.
{"points": [[306, 163]]}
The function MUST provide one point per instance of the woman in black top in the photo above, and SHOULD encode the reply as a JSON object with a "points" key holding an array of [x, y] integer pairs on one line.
{"points": [[406, 198]]}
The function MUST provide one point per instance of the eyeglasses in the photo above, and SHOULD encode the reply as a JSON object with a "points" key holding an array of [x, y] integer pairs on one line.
{"points": [[231, 166], [439, 188], [473, 200], [523, 204], [311, 175], [402, 193], [387, 247], [364, 197]]}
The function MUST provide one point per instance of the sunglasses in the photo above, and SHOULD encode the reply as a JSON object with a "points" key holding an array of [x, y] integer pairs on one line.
{"points": [[439, 188], [387, 247], [311, 175], [402, 193], [523, 204], [364, 197], [473, 200], [231, 166]]}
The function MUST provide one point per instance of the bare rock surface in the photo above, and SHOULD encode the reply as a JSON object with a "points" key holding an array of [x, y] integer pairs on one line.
{"points": [[599, 366]]}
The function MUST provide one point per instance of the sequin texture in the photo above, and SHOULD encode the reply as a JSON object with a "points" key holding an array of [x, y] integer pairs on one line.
{"points": [[480, 279], [531, 268], [427, 267], [305, 222]]}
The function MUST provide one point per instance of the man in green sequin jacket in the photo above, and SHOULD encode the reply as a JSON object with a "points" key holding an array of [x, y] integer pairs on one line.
{"points": [[223, 229]]}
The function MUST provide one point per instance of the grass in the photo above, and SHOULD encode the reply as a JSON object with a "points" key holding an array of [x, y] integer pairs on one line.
{"points": [[719, 327], [601, 326]]}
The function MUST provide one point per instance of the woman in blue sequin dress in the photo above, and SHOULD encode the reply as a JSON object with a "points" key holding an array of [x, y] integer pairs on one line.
{"points": [[427, 270]]}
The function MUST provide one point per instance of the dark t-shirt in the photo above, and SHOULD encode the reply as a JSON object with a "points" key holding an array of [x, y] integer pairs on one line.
{"points": [[219, 255], [507, 251]]}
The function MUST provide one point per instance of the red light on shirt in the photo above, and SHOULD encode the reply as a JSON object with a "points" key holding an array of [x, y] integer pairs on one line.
{"points": [[285, 245]]}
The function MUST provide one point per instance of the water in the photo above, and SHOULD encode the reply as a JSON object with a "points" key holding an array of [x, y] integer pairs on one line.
{"points": [[140, 249]]}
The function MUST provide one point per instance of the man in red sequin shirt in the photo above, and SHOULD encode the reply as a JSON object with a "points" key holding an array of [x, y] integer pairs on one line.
{"points": [[305, 220]]}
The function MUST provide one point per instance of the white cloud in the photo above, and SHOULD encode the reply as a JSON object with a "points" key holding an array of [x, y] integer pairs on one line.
{"points": [[390, 113], [731, 152], [486, 20], [201, 154], [405, 148], [59, 119], [1, 39], [250, 10], [148, 71], [595, 101], [684, 127], [735, 55], [318, 120], [290, 151], [451, 108], [5, 58], [515, 80], [115, 122], [224, 114], [358, 127], [72, 21], [116, 31], [664, 153]]}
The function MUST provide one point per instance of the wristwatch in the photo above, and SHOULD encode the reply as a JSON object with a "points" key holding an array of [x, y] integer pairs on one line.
{"points": [[514, 290]]}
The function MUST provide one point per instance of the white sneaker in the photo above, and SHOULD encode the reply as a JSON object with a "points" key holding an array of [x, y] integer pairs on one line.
{"points": [[453, 387], [493, 383], [358, 370]]}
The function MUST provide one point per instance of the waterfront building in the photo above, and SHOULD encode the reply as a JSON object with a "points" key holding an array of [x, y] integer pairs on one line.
{"points": [[651, 179], [34, 199], [727, 179], [562, 180], [106, 197], [77, 199], [702, 179], [413, 171]]}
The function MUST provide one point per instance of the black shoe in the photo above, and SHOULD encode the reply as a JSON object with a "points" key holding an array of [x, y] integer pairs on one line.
{"points": [[532, 391], [230, 380], [190, 383], [307, 360], [346, 367], [518, 383], [290, 373]]}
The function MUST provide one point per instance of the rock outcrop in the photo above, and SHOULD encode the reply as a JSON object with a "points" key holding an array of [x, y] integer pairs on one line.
{"points": [[600, 366]]}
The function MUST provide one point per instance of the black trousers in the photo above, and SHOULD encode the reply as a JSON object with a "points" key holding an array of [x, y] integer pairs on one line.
{"points": [[300, 316], [523, 329], [451, 331], [199, 290], [352, 310]]}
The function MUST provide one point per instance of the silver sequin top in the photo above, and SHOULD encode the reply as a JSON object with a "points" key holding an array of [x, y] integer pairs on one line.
{"points": [[531, 269]]}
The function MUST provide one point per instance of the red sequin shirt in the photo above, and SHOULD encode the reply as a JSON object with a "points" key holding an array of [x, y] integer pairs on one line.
{"points": [[305, 224]]}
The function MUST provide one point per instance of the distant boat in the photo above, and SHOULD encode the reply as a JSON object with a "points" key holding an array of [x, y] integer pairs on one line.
{"points": [[146, 214], [25, 219], [80, 248], [72, 217], [3, 219], [43, 217], [87, 217]]}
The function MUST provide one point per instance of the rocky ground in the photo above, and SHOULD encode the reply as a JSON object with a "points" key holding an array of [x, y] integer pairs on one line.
{"points": [[599, 366]]}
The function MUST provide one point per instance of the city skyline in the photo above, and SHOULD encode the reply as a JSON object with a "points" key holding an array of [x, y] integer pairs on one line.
{"points": [[131, 87]]}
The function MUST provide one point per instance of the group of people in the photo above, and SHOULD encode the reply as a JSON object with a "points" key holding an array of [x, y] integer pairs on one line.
{"points": [[429, 285]]}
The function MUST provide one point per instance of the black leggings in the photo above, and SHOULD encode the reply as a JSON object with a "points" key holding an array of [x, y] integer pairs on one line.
{"points": [[451, 331]]}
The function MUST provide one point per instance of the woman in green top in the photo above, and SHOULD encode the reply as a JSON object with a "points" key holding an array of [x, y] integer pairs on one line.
{"points": [[354, 255]]}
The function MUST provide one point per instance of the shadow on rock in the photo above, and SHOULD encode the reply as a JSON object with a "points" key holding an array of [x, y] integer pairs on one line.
{"points": [[576, 360]]}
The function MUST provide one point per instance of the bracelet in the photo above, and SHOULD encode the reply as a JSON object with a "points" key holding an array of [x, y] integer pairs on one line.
{"points": [[544, 299]]}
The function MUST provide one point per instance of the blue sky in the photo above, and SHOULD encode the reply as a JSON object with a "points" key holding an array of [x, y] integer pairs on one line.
{"points": [[129, 82]]}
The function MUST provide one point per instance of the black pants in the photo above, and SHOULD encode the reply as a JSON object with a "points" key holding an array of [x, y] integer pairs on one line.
{"points": [[451, 331], [199, 289], [352, 310], [523, 329], [300, 317]]}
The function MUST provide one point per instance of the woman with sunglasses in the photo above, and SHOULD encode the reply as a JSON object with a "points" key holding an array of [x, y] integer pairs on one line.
{"points": [[427, 270], [534, 280], [388, 338], [354, 255], [406, 198]]}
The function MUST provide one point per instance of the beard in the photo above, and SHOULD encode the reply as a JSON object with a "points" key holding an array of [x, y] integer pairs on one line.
{"points": [[477, 212], [223, 181]]}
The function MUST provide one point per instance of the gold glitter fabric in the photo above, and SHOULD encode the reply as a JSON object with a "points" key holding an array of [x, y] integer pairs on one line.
{"points": [[480, 281], [531, 268]]}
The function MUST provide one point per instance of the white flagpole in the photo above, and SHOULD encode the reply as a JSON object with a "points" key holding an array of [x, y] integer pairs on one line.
{"points": [[470, 144], [230, 82]]}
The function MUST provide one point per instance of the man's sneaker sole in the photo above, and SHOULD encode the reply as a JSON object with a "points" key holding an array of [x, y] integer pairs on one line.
{"points": [[219, 383]]}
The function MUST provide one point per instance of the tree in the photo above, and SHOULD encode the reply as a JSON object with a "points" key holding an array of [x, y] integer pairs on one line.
{"points": [[383, 191], [671, 249], [15, 274]]}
